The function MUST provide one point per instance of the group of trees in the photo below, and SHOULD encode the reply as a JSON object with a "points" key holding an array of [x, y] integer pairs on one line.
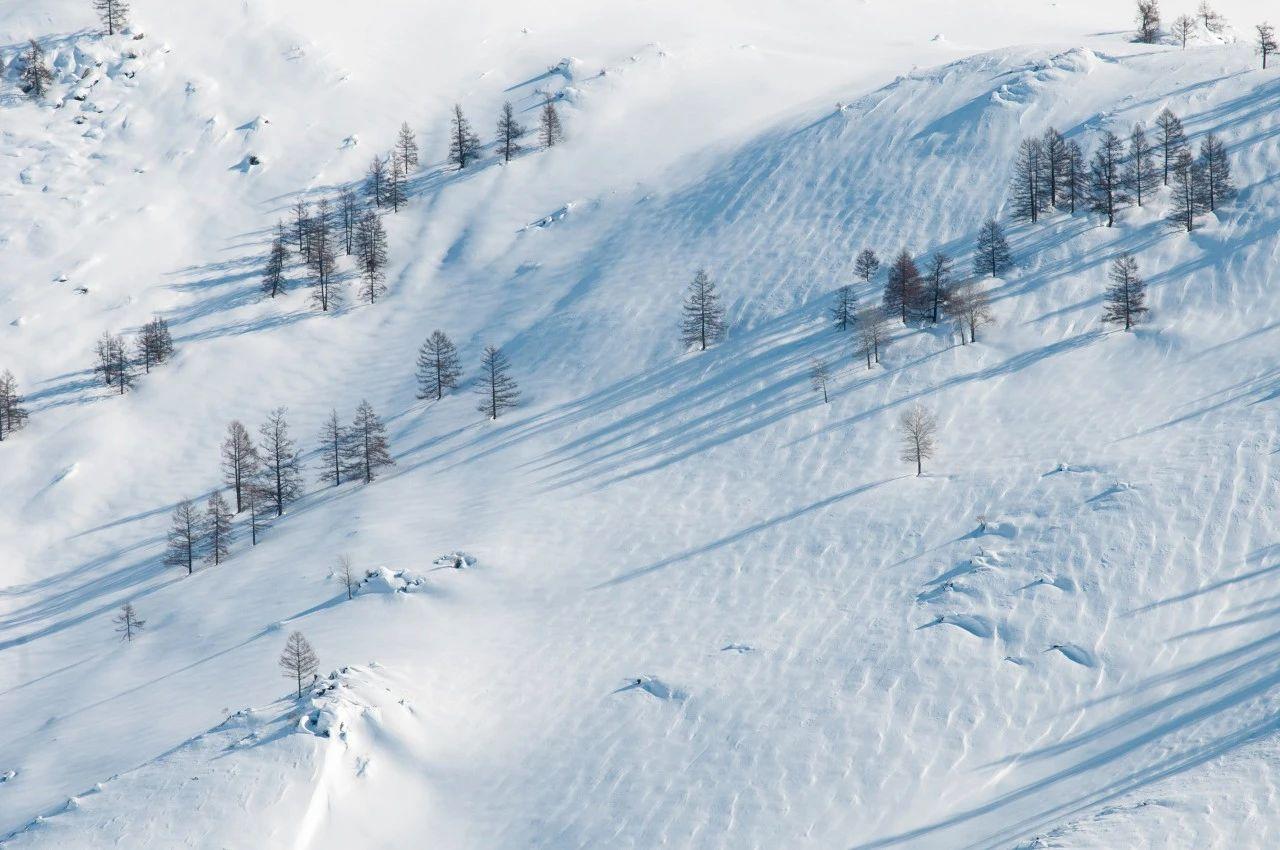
{"points": [[266, 477], [465, 145], [439, 371], [117, 362], [12, 414], [1147, 16], [317, 235], [1049, 173]]}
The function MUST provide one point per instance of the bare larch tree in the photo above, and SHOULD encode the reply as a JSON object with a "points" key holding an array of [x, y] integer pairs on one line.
{"points": [[298, 660], [919, 431], [496, 388], [438, 367]]}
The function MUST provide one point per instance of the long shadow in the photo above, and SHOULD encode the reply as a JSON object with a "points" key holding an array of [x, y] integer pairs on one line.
{"points": [[755, 528]]}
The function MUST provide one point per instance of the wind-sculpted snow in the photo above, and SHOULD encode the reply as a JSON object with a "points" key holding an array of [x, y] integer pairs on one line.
{"points": [[707, 609]]}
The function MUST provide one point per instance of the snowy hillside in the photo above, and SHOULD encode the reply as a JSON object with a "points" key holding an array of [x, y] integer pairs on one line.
{"points": [[698, 607]]}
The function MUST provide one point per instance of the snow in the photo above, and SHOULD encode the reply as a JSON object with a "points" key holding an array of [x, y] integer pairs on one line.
{"points": [[709, 610]]}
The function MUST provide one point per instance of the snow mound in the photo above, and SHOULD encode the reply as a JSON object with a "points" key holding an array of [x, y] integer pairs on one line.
{"points": [[385, 580]]}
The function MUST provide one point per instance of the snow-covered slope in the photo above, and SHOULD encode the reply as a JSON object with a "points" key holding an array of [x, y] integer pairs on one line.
{"points": [[706, 609]]}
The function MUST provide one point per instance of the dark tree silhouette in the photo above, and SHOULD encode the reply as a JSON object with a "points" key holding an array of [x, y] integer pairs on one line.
{"points": [[1026, 195], [395, 182], [371, 255], [1127, 295], [1140, 168], [1171, 139], [333, 449], [367, 450], [1054, 163], [510, 131], [550, 133], [13, 416], [1187, 191], [1148, 17], [35, 75], [919, 431], [1076, 176], [464, 144], [273, 280], [348, 217], [866, 265], [155, 343], [703, 315], [240, 462], [902, 291], [991, 256], [1106, 185], [184, 537], [375, 181], [497, 390], [281, 468], [323, 259], [114, 14], [844, 308], [1216, 171], [301, 227], [407, 147], [217, 529], [937, 284], [127, 622], [438, 367], [1265, 41], [298, 660]]}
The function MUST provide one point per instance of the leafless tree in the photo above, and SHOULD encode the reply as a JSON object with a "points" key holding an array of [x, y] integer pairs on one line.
{"points": [[36, 76], [217, 529], [496, 388], [12, 414], [873, 334], [114, 14], [298, 660], [1148, 17], [866, 265], [438, 367], [1184, 27], [1127, 295], [346, 575], [970, 308], [919, 430], [550, 133], [184, 537], [703, 314], [127, 622], [820, 377], [407, 147], [240, 461], [1266, 41]]}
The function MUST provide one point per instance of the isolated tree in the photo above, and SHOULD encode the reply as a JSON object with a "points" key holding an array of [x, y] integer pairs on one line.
{"points": [[1106, 181], [1025, 193], [1076, 186], [346, 575], [273, 280], [348, 217], [1148, 17], [820, 377], [703, 315], [510, 131], [550, 133], [1265, 42], [937, 284], [323, 259], [333, 449], [1053, 150], [496, 388], [873, 333], [438, 367], [155, 343], [298, 661], [1213, 22], [866, 265], [12, 414], [281, 468], [184, 537], [918, 430], [240, 462], [1188, 192], [367, 449], [844, 308], [1126, 297], [35, 76], [1184, 27], [375, 181], [407, 147], [114, 14], [127, 622], [1140, 166], [991, 256], [464, 144], [1216, 171], [371, 256], [301, 225], [217, 529], [1172, 140], [395, 182], [903, 291], [969, 307]]}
